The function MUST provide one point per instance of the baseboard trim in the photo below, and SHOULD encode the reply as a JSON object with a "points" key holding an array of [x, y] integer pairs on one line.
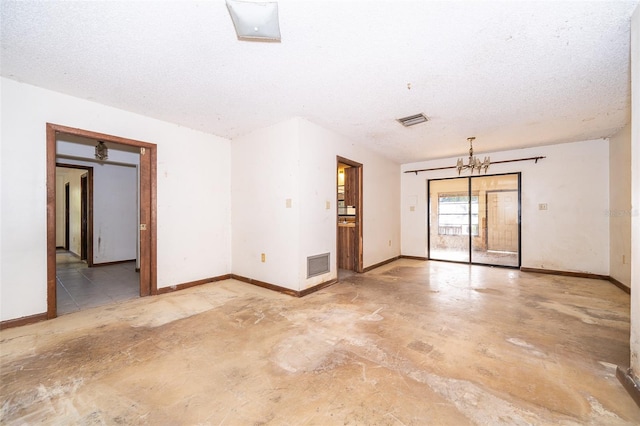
{"points": [[413, 257], [18, 322], [177, 287], [565, 273], [625, 376], [316, 287], [379, 264], [284, 290], [620, 285], [266, 285], [115, 262]]}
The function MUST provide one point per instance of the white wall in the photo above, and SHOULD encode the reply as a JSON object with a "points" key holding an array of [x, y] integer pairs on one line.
{"points": [[381, 197], [296, 160], [635, 192], [264, 174], [572, 235], [193, 192], [620, 206]]}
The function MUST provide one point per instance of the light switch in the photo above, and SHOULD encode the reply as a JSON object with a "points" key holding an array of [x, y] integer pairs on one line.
{"points": [[288, 203], [327, 205]]}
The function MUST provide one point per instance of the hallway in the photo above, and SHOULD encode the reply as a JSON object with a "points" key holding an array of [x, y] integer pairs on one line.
{"points": [[79, 287], [409, 343]]}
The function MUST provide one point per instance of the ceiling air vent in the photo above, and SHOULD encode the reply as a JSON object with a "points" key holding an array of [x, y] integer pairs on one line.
{"points": [[412, 120]]}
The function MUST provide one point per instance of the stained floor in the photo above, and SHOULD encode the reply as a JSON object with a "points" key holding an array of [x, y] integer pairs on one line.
{"points": [[79, 287], [410, 343]]}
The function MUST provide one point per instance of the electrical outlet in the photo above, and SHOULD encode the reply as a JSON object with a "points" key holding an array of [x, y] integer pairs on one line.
{"points": [[542, 206], [412, 208], [327, 205], [389, 243], [288, 202], [263, 257]]}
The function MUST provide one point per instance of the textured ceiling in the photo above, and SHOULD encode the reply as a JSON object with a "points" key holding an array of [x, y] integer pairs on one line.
{"points": [[513, 74]]}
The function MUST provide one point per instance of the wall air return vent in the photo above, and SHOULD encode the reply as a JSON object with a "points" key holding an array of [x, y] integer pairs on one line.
{"points": [[412, 120], [317, 265]]}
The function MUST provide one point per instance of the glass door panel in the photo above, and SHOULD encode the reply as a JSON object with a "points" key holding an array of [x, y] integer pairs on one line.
{"points": [[497, 241], [449, 220]]}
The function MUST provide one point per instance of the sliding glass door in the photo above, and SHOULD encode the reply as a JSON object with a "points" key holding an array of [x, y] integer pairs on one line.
{"points": [[475, 219]]}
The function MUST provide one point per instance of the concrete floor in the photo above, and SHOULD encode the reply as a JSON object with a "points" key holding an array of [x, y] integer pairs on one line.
{"points": [[410, 343]]}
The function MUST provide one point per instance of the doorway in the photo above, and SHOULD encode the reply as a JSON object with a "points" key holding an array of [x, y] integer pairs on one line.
{"points": [[147, 211], [349, 217], [475, 220], [78, 216], [83, 216]]}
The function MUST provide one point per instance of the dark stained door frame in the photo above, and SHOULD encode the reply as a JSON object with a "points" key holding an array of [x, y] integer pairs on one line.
{"points": [[358, 191], [148, 209]]}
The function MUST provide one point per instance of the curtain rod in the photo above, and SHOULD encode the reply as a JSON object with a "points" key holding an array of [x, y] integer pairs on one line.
{"points": [[493, 162]]}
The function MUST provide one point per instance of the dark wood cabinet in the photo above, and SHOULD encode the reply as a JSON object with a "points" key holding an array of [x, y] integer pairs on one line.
{"points": [[351, 186], [347, 246]]}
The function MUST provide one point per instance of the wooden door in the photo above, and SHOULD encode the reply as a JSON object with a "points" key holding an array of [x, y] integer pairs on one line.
{"points": [[84, 212], [347, 255], [349, 244], [351, 186], [67, 214]]}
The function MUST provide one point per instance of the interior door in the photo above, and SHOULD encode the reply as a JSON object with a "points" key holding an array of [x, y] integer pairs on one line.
{"points": [[349, 248], [84, 212], [67, 214]]}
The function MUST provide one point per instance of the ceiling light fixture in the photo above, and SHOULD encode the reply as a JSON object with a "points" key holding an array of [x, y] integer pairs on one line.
{"points": [[412, 120], [102, 152], [255, 20], [474, 163]]}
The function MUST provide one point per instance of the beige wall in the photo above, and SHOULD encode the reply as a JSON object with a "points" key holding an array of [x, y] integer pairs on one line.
{"points": [[635, 192], [620, 206], [193, 199], [296, 160], [572, 234]]}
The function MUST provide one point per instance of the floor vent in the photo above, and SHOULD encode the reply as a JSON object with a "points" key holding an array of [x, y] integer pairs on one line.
{"points": [[317, 265]]}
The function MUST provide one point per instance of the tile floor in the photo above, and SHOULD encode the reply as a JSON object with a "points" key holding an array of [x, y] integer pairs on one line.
{"points": [[409, 343], [80, 287]]}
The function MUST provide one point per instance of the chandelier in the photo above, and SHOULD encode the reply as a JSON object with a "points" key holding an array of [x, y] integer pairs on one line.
{"points": [[474, 163]]}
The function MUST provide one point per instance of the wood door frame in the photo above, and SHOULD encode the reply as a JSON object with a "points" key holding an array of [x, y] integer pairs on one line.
{"points": [[359, 211], [89, 242], [148, 209]]}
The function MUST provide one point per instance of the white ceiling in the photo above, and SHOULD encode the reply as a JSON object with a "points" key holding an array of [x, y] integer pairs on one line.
{"points": [[513, 74]]}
